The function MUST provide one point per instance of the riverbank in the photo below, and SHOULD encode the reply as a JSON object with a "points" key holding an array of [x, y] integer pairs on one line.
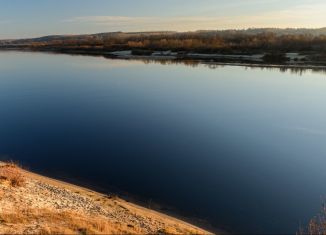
{"points": [[34, 204], [293, 60]]}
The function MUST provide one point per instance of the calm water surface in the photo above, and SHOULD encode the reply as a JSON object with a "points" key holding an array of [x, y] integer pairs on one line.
{"points": [[242, 148]]}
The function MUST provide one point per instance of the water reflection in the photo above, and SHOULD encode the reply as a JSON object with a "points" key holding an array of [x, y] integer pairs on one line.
{"points": [[297, 70]]}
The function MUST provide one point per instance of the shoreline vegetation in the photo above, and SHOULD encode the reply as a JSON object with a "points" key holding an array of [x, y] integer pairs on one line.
{"points": [[35, 204], [297, 48]]}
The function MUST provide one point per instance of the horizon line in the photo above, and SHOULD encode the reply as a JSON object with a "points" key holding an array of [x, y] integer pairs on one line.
{"points": [[165, 31]]}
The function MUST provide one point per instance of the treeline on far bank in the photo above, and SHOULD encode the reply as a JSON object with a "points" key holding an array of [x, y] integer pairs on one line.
{"points": [[229, 41]]}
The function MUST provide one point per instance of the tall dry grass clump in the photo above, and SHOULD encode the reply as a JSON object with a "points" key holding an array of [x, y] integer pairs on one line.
{"points": [[62, 222], [317, 225], [11, 173]]}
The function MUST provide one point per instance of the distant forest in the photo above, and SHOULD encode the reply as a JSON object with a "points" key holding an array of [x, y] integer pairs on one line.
{"points": [[224, 41]]}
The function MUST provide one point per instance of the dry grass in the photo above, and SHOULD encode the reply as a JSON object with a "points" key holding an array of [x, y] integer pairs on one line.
{"points": [[61, 222], [11, 173], [68, 222], [317, 225], [175, 229]]}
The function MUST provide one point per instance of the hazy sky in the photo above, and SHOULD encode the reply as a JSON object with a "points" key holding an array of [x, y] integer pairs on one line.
{"points": [[29, 18]]}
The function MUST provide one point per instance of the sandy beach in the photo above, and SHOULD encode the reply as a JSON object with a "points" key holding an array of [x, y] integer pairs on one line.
{"points": [[43, 205]]}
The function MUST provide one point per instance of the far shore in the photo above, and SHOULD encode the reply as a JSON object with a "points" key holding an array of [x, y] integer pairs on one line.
{"points": [[295, 61]]}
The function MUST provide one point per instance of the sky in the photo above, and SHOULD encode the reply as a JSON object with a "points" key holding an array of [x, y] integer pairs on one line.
{"points": [[33, 18]]}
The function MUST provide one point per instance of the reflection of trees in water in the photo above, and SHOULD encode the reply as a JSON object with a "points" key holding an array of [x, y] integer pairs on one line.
{"points": [[191, 63], [294, 70], [298, 70]]}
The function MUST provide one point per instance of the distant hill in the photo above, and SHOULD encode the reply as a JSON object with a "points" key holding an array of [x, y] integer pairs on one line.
{"points": [[277, 31], [105, 36], [98, 36]]}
